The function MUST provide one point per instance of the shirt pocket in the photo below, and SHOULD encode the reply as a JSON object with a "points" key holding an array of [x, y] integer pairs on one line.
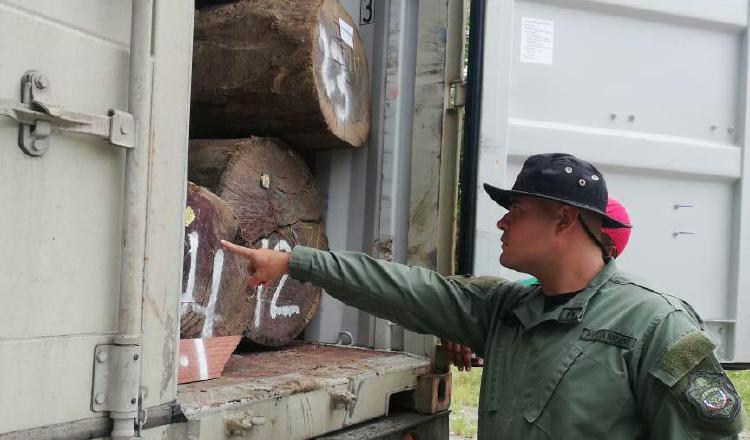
{"points": [[578, 397]]}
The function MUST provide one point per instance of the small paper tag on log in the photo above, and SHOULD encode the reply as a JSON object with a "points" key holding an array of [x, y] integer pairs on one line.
{"points": [[346, 33]]}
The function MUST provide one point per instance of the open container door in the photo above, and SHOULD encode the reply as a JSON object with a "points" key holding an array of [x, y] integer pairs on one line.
{"points": [[64, 192], [655, 94]]}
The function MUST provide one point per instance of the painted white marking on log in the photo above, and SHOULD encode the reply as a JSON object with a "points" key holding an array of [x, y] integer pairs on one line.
{"points": [[259, 290], [334, 73], [208, 322], [200, 352], [186, 298], [275, 310], [187, 295], [184, 361]]}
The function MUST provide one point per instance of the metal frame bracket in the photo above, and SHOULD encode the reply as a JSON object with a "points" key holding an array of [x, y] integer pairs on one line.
{"points": [[456, 95], [106, 396], [37, 118]]}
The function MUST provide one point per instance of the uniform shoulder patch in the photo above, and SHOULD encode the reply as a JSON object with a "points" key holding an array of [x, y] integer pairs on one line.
{"points": [[713, 396]]}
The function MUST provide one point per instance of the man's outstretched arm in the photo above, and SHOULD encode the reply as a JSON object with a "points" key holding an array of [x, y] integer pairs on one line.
{"points": [[419, 299]]}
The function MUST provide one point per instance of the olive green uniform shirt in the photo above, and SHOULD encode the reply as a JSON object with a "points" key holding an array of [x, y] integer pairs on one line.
{"points": [[618, 361]]}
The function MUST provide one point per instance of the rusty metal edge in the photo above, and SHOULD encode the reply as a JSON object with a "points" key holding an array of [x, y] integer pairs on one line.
{"points": [[96, 427]]}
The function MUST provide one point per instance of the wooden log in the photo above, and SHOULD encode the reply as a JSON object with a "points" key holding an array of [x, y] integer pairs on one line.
{"points": [[213, 300], [296, 70], [271, 191]]}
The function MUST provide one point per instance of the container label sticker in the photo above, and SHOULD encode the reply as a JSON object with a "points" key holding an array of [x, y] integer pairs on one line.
{"points": [[346, 32], [537, 40]]}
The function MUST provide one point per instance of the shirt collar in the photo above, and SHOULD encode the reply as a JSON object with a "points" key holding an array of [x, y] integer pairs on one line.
{"points": [[531, 312]]}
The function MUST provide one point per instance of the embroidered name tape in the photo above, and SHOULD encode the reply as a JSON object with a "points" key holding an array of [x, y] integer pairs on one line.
{"points": [[609, 337]]}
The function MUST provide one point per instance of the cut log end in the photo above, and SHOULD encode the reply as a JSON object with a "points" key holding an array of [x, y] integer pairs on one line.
{"points": [[294, 70], [213, 301], [341, 75], [270, 190]]}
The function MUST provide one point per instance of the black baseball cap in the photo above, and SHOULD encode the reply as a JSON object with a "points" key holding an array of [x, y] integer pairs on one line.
{"points": [[563, 178]]}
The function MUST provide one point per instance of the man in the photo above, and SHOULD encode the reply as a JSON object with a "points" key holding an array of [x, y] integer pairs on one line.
{"points": [[615, 240], [586, 354]]}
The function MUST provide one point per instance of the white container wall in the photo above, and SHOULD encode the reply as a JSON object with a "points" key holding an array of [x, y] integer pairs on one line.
{"points": [[653, 93], [61, 231]]}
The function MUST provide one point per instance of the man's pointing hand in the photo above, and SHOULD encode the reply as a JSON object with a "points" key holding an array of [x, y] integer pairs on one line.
{"points": [[264, 265]]}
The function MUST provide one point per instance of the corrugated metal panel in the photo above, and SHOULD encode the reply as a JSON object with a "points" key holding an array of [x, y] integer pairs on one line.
{"points": [[654, 94], [387, 198]]}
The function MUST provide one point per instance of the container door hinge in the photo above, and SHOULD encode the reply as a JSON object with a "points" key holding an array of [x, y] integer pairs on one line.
{"points": [[456, 94], [37, 118], [116, 363]]}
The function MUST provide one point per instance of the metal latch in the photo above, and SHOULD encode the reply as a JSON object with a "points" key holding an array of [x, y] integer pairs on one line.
{"points": [[37, 118], [456, 94], [125, 396]]}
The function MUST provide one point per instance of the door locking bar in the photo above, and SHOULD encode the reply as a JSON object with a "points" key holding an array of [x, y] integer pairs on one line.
{"points": [[37, 118]]}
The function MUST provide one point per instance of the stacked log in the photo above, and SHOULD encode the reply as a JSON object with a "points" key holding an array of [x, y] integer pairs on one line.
{"points": [[270, 190], [290, 70], [213, 300], [295, 70]]}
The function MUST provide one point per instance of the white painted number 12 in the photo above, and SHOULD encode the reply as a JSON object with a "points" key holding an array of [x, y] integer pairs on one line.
{"points": [[275, 310]]}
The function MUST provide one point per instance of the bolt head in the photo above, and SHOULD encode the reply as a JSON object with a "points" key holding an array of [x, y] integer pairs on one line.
{"points": [[135, 357], [133, 401], [631, 118], [41, 82], [99, 399], [123, 129], [613, 116], [101, 356]]}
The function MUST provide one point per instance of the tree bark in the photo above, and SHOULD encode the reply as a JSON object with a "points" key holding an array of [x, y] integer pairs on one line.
{"points": [[272, 193], [296, 70], [213, 300]]}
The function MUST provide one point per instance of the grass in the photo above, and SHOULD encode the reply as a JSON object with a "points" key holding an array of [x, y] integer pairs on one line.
{"points": [[465, 398], [741, 381], [464, 402]]}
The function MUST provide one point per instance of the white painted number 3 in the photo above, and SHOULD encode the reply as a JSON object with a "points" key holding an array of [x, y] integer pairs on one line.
{"points": [[275, 310]]}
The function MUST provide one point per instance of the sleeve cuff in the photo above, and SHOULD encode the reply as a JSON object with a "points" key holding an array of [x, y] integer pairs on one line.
{"points": [[300, 262]]}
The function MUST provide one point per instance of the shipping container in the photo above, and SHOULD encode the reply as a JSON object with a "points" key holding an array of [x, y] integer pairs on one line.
{"points": [[653, 92], [93, 234]]}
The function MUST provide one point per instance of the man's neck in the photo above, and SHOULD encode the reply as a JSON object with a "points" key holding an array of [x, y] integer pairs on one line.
{"points": [[571, 273]]}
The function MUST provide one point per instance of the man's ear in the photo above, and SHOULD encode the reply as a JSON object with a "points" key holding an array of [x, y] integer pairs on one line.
{"points": [[566, 219]]}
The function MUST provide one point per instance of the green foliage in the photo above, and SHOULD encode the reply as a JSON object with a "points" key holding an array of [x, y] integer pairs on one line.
{"points": [[741, 381], [464, 402]]}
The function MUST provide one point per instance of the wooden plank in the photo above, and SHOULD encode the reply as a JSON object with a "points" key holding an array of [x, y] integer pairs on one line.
{"points": [[204, 358]]}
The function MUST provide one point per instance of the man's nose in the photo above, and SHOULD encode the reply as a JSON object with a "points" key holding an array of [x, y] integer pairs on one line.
{"points": [[502, 224]]}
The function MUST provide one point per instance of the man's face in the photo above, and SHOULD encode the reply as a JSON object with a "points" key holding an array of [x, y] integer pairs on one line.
{"points": [[528, 232]]}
